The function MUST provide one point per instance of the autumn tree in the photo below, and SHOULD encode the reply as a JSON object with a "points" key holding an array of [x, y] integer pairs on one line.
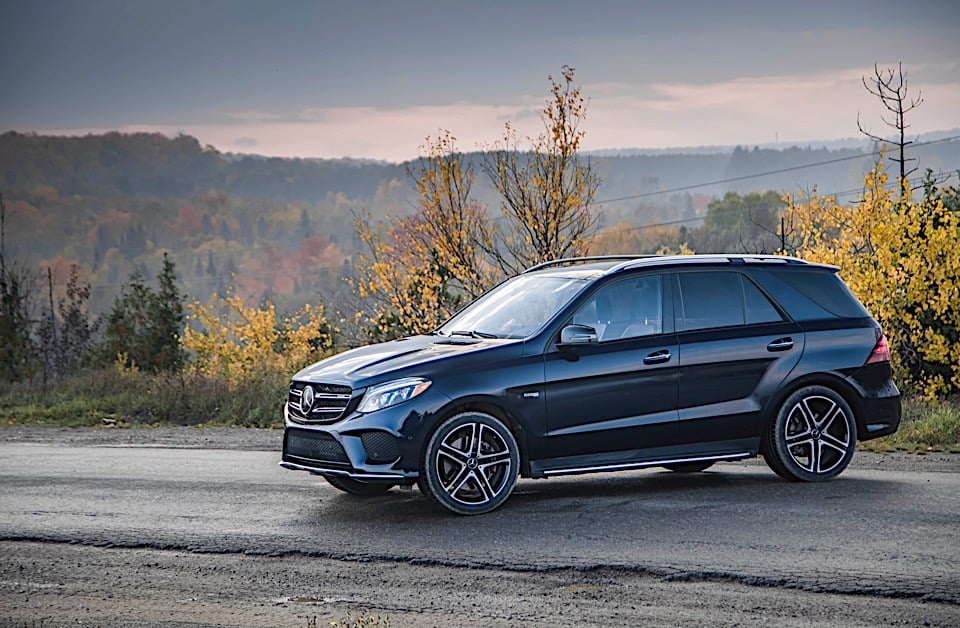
{"points": [[233, 341], [625, 238], [451, 228], [901, 259], [417, 271], [545, 191]]}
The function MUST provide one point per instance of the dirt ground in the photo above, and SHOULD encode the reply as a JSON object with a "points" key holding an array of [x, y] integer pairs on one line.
{"points": [[45, 584]]}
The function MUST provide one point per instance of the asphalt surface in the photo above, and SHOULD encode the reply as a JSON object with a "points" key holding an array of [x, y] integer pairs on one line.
{"points": [[884, 538]]}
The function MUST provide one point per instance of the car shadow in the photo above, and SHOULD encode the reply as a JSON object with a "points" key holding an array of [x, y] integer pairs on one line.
{"points": [[628, 491]]}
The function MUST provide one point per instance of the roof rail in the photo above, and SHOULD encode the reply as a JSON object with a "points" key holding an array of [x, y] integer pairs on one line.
{"points": [[580, 260], [747, 257]]}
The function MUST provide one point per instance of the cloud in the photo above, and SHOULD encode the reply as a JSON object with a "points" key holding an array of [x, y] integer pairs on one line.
{"points": [[745, 110], [749, 110]]}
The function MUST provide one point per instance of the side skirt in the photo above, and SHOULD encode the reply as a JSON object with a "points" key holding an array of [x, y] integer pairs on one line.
{"points": [[639, 459]]}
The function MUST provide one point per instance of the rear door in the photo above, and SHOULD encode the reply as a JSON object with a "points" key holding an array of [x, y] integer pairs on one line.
{"points": [[735, 348]]}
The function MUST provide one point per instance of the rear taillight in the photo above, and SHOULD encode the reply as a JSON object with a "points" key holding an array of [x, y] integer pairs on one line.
{"points": [[880, 353]]}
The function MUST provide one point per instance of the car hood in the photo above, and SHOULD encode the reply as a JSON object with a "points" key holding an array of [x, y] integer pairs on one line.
{"points": [[418, 355]]}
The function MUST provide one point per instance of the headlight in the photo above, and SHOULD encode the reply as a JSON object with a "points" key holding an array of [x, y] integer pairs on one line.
{"points": [[391, 393]]}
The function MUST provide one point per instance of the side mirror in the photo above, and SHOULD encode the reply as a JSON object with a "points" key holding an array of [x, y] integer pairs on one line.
{"points": [[578, 335]]}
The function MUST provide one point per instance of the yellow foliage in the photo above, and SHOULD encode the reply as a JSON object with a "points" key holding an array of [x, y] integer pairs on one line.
{"points": [[419, 270], [230, 340], [628, 239], [902, 261], [546, 192]]}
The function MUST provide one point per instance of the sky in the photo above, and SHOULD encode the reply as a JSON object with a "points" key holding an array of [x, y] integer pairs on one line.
{"points": [[373, 79]]}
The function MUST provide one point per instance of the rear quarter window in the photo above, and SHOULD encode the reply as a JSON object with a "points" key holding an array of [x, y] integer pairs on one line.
{"points": [[811, 294]]}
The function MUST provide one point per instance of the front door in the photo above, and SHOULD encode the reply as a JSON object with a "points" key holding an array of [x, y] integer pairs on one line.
{"points": [[618, 394]]}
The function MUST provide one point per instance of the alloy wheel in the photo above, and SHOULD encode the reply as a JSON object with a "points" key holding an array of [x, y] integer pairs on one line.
{"points": [[817, 434]]}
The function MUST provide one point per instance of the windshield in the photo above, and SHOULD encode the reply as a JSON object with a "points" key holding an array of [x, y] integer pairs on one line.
{"points": [[515, 309]]}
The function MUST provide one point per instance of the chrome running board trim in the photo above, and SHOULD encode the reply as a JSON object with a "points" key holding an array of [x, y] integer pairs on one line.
{"points": [[640, 465]]}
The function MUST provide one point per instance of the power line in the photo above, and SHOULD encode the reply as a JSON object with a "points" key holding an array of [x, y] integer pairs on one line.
{"points": [[763, 174], [949, 175]]}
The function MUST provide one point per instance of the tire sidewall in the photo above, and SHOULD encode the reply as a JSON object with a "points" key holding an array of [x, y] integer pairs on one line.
{"points": [[429, 480], [778, 444]]}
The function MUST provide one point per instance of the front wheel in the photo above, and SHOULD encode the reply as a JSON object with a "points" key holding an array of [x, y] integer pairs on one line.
{"points": [[813, 437], [358, 487], [470, 464]]}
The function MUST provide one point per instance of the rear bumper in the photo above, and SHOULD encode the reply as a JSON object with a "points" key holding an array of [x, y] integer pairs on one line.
{"points": [[880, 417]]}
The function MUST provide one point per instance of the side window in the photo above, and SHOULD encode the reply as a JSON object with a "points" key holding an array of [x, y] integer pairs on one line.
{"points": [[626, 309], [759, 307], [710, 299]]}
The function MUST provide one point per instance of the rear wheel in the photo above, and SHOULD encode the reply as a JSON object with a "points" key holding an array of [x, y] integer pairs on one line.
{"points": [[470, 465], [358, 487], [689, 467], [813, 436]]}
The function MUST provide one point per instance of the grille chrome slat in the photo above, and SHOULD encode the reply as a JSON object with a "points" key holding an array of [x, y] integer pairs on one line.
{"points": [[329, 402]]}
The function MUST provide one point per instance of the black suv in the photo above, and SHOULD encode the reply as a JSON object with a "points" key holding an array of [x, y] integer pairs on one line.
{"points": [[604, 364]]}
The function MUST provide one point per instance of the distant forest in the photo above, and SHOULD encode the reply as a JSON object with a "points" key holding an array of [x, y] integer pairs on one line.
{"points": [[282, 229]]}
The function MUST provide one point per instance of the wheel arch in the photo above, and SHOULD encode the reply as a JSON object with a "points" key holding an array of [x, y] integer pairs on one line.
{"points": [[486, 406], [833, 381]]}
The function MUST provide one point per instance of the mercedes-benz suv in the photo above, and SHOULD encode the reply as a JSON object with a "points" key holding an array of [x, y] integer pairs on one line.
{"points": [[604, 364]]}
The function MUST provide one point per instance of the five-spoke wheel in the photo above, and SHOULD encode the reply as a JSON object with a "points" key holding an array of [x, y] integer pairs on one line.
{"points": [[470, 464], [813, 437]]}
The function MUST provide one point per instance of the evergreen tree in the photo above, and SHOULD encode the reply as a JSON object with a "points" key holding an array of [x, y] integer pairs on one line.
{"points": [[144, 327], [15, 349]]}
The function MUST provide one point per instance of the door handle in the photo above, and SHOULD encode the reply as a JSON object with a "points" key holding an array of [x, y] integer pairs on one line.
{"points": [[780, 344], [657, 357]]}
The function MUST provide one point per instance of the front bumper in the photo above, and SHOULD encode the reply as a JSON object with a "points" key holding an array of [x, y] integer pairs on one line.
{"points": [[404, 477], [379, 446], [327, 452]]}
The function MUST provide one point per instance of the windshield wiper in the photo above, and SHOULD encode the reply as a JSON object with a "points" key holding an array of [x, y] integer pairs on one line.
{"points": [[473, 333]]}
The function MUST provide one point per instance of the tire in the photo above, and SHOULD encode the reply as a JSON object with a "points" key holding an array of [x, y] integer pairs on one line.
{"points": [[358, 487], [813, 437], [470, 464], [690, 467]]}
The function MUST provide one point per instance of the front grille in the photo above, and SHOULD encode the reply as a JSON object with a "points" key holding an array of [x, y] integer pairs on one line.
{"points": [[314, 446], [381, 447], [329, 402]]}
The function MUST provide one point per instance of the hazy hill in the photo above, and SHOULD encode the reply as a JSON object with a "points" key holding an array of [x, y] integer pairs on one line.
{"points": [[284, 227]]}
